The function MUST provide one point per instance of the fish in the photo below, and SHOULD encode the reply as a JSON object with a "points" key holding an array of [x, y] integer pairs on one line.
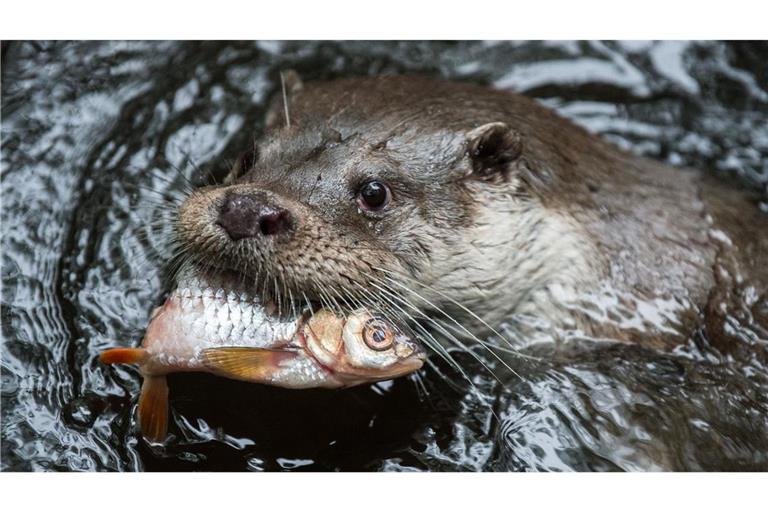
{"points": [[206, 326]]}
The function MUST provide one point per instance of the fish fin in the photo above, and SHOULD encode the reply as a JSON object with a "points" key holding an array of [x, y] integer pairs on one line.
{"points": [[153, 408], [123, 356], [244, 363]]}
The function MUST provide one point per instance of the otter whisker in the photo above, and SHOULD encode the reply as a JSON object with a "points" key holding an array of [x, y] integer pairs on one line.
{"points": [[309, 304], [450, 337], [461, 327], [187, 184], [449, 317], [346, 298], [333, 304], [421, 387], [432, 342], [187, 187], [292, 302], [429, 339], [445, 378], [188, 156], [164, 194], [277, 294], [469, 312], [325, 300], [285, 101]]}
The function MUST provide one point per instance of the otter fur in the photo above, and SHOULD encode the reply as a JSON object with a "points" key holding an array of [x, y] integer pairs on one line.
{"points": [[496, 211]]}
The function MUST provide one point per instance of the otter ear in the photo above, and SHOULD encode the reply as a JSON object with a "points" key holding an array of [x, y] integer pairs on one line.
{"points": [[492, 147]]}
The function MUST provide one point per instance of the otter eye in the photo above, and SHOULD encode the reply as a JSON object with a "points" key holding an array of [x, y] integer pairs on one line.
{"points": [[373, 195], [377, 334]]}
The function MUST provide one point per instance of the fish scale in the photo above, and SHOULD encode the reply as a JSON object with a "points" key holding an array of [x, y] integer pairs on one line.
{"points": [[208, 327]]}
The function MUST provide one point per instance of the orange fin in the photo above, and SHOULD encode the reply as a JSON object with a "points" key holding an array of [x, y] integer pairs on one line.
{"points": [[123, 356], [244, 363], [153, 408]]}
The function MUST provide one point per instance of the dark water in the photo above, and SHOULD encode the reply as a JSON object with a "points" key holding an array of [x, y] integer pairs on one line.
{"points": [[94, 133]]}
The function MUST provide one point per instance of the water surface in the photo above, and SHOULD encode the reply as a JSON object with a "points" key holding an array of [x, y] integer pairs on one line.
{"points": [[97, 136]]}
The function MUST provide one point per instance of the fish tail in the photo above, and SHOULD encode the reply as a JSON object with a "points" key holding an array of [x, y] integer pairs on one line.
{"points": [[123, 356], [153, 402], [153, 408]]}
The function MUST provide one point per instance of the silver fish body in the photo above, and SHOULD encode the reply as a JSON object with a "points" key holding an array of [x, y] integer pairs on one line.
{"points": [[209, 326]]}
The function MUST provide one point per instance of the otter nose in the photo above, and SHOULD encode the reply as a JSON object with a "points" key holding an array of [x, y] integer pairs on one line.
{"points": [[250, 215]]}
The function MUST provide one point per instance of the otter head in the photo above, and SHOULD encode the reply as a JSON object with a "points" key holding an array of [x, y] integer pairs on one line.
{"points": [[376, 192]]}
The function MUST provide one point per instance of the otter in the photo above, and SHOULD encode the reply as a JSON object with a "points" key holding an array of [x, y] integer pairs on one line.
{"points": [[483, 209]]}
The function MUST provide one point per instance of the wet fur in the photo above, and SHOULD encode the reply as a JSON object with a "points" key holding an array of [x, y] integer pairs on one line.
{"points": [[564, 215]]}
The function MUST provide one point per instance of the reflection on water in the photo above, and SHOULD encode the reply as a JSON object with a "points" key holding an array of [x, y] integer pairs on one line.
{"points": [[97, 136]]}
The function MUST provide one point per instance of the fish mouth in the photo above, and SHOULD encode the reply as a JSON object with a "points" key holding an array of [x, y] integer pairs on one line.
{"points": [[407, 366], [361, 377], [401, 368], [343, 376]]}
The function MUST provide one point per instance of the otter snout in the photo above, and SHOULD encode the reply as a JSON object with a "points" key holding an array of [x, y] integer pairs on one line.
{"points": [[248, 215]]}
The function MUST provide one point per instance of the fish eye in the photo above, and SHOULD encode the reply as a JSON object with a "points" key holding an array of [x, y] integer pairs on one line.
{"points": [[377, 334], [373, 195]]}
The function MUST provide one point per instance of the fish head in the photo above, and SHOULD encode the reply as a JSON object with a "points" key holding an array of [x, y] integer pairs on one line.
{"points": [[361, 347]]}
